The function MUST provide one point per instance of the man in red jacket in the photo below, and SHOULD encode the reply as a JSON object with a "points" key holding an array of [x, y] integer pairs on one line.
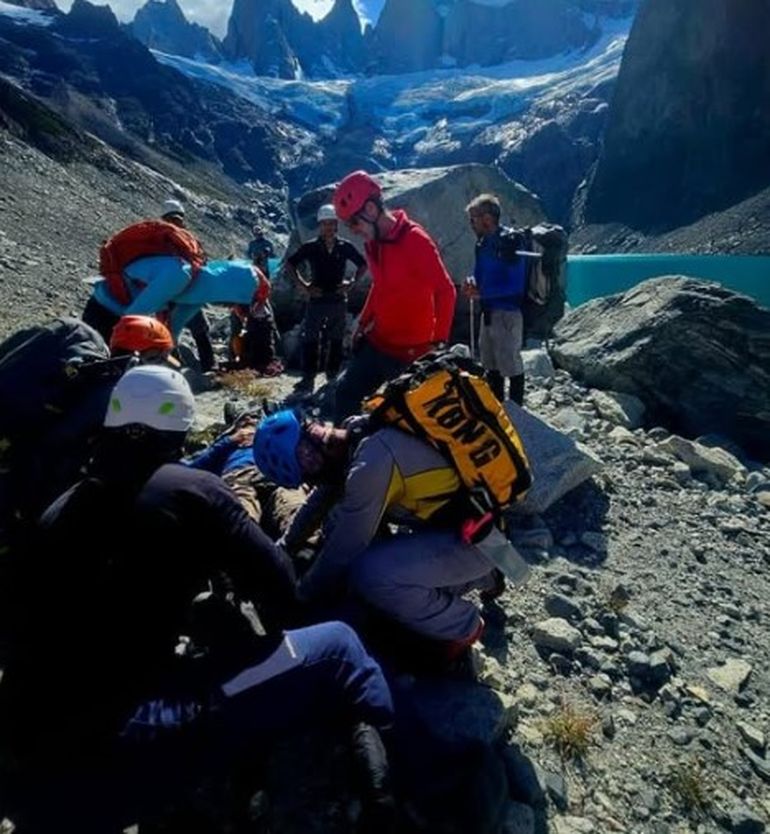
{"points": [[411, 302]]}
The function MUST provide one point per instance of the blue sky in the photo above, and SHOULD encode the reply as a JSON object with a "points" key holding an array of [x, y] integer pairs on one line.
{"points": [[214, 13]]}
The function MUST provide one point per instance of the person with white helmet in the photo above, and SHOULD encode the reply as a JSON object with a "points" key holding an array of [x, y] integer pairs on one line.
{"points": [[327, 258], [260, 249], [98, 677], [173, 212]]}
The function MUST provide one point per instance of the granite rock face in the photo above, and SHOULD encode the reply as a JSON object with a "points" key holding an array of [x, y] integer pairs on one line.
{"points": [[697, 355], [411, 35], [693, 87]]}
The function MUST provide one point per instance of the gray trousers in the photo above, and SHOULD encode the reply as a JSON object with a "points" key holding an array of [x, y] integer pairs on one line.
{"points": [[418, 579], [500, 342]]}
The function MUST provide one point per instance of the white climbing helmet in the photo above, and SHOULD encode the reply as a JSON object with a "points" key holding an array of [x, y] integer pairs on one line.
{"points": [[326, 212], [154, 396], [172, 207]]}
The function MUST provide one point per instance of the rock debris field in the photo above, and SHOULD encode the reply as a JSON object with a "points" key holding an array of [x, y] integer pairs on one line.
{"points": [[630, 674]]}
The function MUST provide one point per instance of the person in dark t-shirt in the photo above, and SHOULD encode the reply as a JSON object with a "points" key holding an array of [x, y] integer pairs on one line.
{"points": [[327, 257]]}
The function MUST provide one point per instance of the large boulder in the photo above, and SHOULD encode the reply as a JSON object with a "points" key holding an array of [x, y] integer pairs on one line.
{"points": [[434, 197], [558, 463], [696, 353]]}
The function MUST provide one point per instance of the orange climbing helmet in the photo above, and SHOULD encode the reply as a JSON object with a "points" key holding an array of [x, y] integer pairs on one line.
{"points": [[140, 334], [353, 192]]}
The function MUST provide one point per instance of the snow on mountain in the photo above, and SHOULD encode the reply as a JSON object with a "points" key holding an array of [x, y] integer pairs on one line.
{"points": [[407, 108], [317, 9], [21, 15], [369, 10]]}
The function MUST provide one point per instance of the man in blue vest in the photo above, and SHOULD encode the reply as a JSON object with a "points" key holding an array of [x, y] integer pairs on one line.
{"points": [[499, 282]]}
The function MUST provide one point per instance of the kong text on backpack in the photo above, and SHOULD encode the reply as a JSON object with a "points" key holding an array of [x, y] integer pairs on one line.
{"points": [[443, 399], [143, 240]]}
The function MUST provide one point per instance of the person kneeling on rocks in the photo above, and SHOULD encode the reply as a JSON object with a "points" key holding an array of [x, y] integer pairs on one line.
{"points": [[102, 706], [416, 578]]}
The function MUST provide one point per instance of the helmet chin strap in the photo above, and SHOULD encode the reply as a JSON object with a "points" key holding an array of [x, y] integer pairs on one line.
{"points": [[377, 235]]}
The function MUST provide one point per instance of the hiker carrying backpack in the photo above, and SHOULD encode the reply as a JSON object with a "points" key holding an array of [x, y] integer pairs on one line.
{"points": [[439, 459], [140, 240]]}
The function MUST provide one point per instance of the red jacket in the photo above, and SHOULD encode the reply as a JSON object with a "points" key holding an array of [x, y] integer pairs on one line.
{"points": [[412, 299]]}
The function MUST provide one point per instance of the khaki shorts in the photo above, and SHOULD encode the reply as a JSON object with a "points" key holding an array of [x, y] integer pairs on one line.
{"points": [[500, 342]]}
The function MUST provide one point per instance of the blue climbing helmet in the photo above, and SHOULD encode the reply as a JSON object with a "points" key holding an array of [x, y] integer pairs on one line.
{"points": [[275, 448]]}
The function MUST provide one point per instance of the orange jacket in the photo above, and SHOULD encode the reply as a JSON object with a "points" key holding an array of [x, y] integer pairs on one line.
{"points": [[411, 303]]}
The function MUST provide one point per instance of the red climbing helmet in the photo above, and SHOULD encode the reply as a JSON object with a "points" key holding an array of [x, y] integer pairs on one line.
{"points": [[351, 194]]}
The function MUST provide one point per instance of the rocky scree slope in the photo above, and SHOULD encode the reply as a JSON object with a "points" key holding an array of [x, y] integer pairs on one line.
{"points": [[649, 610], [62, 192]]}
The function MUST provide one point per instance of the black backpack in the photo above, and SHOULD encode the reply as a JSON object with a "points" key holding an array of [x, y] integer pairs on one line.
{"points": [[546, 285], [55, 382], [44, 371]]}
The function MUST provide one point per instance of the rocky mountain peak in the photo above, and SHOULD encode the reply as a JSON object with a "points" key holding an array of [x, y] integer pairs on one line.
{"points": [[90, 20], [261, 30], [408, 36], [162, 25], [413, 35]]}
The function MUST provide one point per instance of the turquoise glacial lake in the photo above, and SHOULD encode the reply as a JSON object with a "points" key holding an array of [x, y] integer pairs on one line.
{"points": [[592, 276]]}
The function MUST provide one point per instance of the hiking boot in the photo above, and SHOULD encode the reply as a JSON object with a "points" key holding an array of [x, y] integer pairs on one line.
{"points": [[231, 411], [497, 589]]}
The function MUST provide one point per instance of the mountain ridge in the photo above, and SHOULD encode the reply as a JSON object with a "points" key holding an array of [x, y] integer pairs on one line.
{"points": [[280, 40]]}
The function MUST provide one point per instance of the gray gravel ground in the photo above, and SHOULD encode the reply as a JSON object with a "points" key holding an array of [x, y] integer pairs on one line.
{"points": [[647, 614]]}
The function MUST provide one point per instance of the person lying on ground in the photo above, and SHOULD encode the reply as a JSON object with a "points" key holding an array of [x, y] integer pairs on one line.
{"points": [[231, 457]]}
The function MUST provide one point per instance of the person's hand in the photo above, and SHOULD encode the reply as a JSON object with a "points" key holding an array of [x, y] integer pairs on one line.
{"points": [[244, 435], [469, 288], [357, 341]]}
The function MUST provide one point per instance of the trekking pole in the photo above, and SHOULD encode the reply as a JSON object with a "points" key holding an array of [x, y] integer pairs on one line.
{"points": [[472, 327]]}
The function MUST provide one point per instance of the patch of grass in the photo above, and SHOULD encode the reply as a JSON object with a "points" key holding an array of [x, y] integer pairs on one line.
{"points": [[245, 383], [689, 787], [198, 439], [569, 731]]}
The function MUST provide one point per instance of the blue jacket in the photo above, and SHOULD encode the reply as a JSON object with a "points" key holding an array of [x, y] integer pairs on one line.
{"points": [[224, 455], [162, 282], [501, 282]]}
